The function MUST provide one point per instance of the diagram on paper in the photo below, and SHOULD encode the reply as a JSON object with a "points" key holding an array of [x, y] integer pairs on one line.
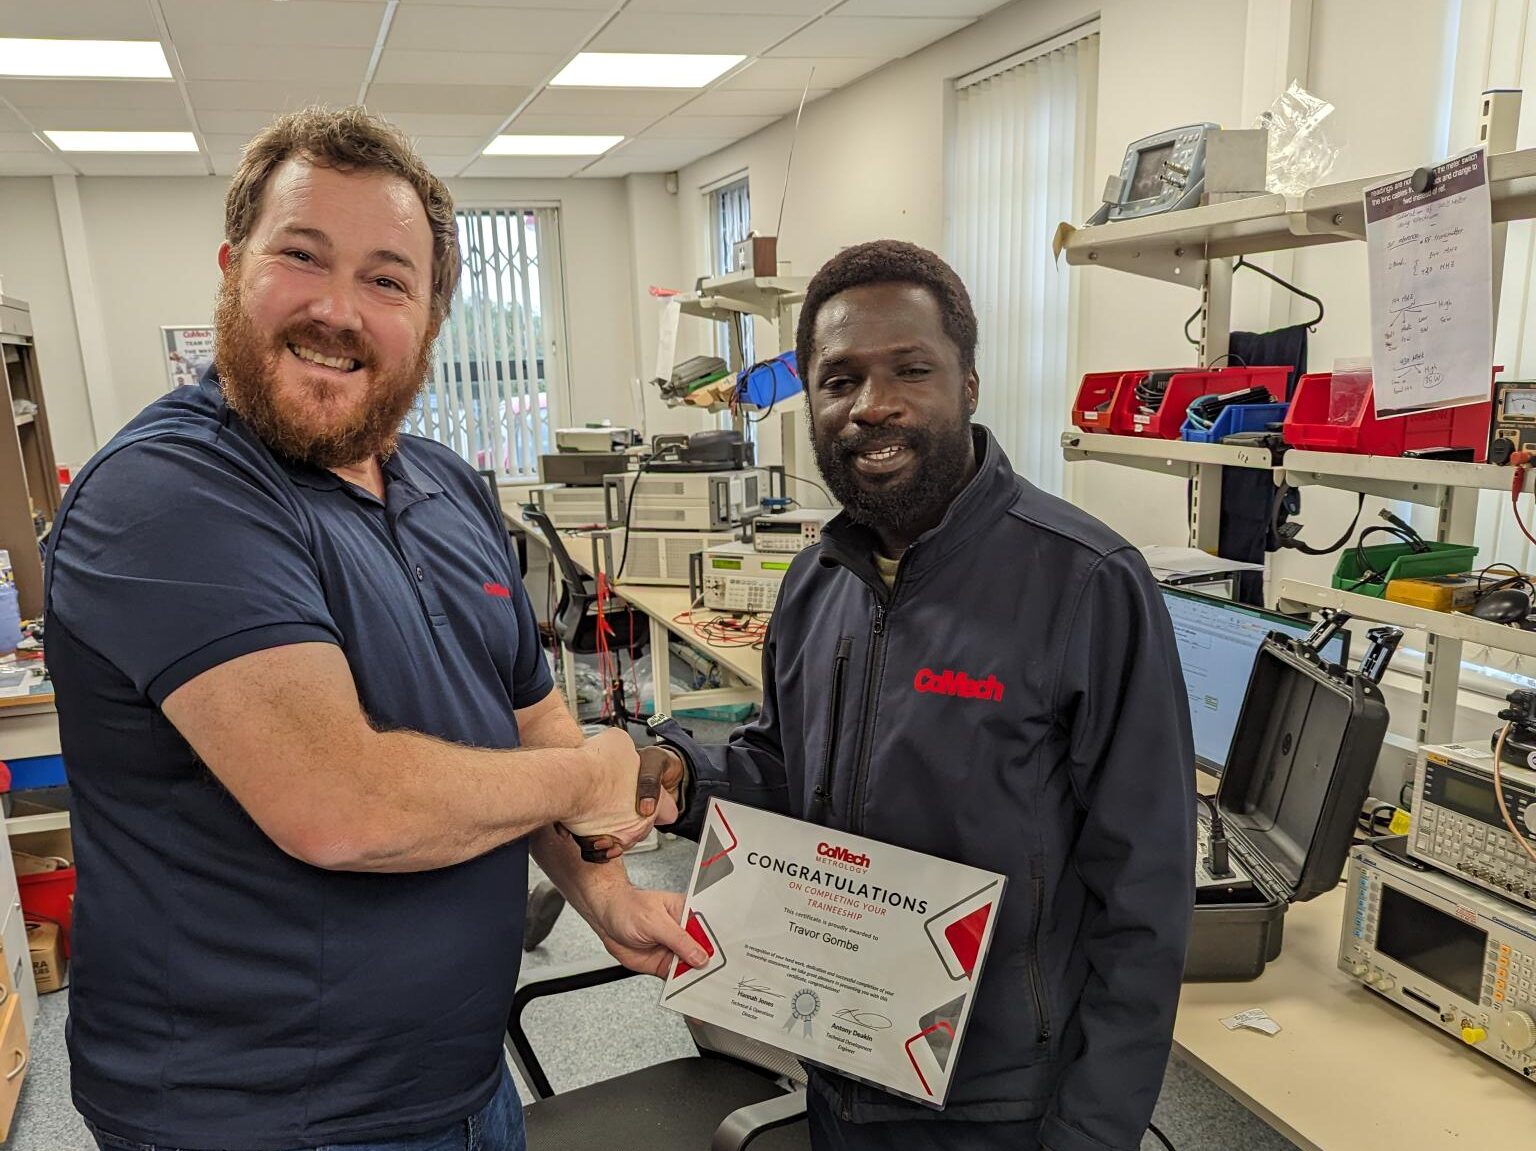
{"points": [[1430, 257]]}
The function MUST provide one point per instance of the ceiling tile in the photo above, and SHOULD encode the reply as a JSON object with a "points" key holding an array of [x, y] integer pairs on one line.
{"points": [[295, 64], [600, 124], [72, 19], [584, 5], [98, 164], [409, 66], [464, 146], [10, 122], [227, 143], [446, 167], [794, 72], [158, 94], [867, 36], [14, 142], [261, 23], [803, 8], [107, 119], [954, 9], [279, 96], [697, 32], [613, 166], [667, 154], [243, 125], [27, 164], [720, 128], [648, 102], [454, 29], [432, 124], [532, 167], [768, 102], [448, 98]]}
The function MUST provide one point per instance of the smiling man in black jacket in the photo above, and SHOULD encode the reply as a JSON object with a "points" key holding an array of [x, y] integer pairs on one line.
{"points": [[970, 667]]}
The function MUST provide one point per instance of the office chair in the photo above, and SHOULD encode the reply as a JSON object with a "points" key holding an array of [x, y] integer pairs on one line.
{"points": [[736, 1093], [519, 539], [576, 619]]}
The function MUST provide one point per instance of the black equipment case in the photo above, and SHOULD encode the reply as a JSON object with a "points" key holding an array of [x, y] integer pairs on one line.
{"points": [[1302, 755]]}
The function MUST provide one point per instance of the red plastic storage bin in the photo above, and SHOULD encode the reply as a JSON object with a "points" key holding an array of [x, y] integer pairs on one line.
{"points": [[1307, 425], [48, 894], [1095, 402], [1168, 421]]}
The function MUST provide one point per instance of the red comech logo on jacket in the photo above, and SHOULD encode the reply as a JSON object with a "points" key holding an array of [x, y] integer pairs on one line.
{"points": [[496, 589], [947, 682]]}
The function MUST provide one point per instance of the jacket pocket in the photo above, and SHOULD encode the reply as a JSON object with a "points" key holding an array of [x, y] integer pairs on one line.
{"points": [[821, 796]]}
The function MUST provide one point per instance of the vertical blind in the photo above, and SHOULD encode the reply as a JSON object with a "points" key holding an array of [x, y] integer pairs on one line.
{"points": [[1018, 159], [1498, 49], [498, 360]]}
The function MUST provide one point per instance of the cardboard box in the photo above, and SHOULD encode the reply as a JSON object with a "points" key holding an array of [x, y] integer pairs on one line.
{"points": [[47, 950]]}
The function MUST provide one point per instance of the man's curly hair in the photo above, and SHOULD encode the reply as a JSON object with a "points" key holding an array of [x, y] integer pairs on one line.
{"points": [[889, 262]]}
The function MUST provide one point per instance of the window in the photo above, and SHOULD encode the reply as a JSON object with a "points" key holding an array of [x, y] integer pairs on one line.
{"points": [[730, 219], [498, 359], [1018, 157]]}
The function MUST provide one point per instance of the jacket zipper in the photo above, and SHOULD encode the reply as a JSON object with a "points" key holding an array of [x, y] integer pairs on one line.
{"points": [[822, 796], [861, 768], [1035, 990], [866, 734]]}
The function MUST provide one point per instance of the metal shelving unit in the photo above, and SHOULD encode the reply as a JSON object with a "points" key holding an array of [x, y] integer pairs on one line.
{"points": [[1196, 247], [766, 296], [730, 299]]}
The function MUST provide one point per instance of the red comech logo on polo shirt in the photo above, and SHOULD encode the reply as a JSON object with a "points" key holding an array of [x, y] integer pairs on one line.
{"points": [[497, 589], [948, 682]]}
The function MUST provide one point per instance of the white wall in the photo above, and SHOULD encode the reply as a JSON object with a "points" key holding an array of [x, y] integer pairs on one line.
{"points": [[152, 246], [870, 161], [32, 265]]}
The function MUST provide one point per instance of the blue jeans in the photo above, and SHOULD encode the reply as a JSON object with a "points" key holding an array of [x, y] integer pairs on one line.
{"points": [[498, 1126]]}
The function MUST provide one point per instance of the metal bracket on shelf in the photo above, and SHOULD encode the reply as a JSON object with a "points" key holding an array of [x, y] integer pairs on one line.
{"points": [[1215, 311], [1205, 508]]}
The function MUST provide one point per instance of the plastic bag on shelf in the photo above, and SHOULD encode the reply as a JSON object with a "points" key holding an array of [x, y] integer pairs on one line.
{"points": [[1348, 389], [1300, 153]]}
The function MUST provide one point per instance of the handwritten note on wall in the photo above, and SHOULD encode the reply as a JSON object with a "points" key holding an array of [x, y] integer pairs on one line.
{"points": [[1431, 263]]}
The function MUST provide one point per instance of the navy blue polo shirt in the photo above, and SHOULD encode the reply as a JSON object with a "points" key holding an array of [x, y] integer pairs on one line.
{"points": [[225, 994]]}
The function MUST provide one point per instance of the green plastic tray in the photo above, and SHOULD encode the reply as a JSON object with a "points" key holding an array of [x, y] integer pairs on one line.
{"points": [[1400, 561]]}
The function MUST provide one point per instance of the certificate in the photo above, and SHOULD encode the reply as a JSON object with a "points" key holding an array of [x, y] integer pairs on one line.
{"points": [[846, 952]]}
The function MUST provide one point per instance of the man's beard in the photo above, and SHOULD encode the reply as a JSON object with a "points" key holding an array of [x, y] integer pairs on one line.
{"points": [[943, 456], [248, 370]]}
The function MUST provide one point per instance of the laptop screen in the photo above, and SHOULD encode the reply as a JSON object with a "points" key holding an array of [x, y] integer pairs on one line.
{"points": [[1218, 641]]}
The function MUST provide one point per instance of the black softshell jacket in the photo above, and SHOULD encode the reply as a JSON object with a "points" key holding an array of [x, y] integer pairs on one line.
{"points": [[1015, 702]]}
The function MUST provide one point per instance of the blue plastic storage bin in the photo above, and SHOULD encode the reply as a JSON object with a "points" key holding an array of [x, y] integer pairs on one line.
{"points": [[767, 383], [1237, 418]]}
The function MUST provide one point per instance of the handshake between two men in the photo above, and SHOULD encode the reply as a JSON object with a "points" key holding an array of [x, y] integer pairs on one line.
{"points": [[641, 789]]}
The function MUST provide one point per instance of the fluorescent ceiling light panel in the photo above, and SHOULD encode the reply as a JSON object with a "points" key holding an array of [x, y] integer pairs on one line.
{"points": [[84, 59], [643, 70], [551, 145], [123, 141]]}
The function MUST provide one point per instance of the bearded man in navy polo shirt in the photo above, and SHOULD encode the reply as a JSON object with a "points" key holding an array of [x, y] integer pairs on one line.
{"points": [[309, 729]]}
